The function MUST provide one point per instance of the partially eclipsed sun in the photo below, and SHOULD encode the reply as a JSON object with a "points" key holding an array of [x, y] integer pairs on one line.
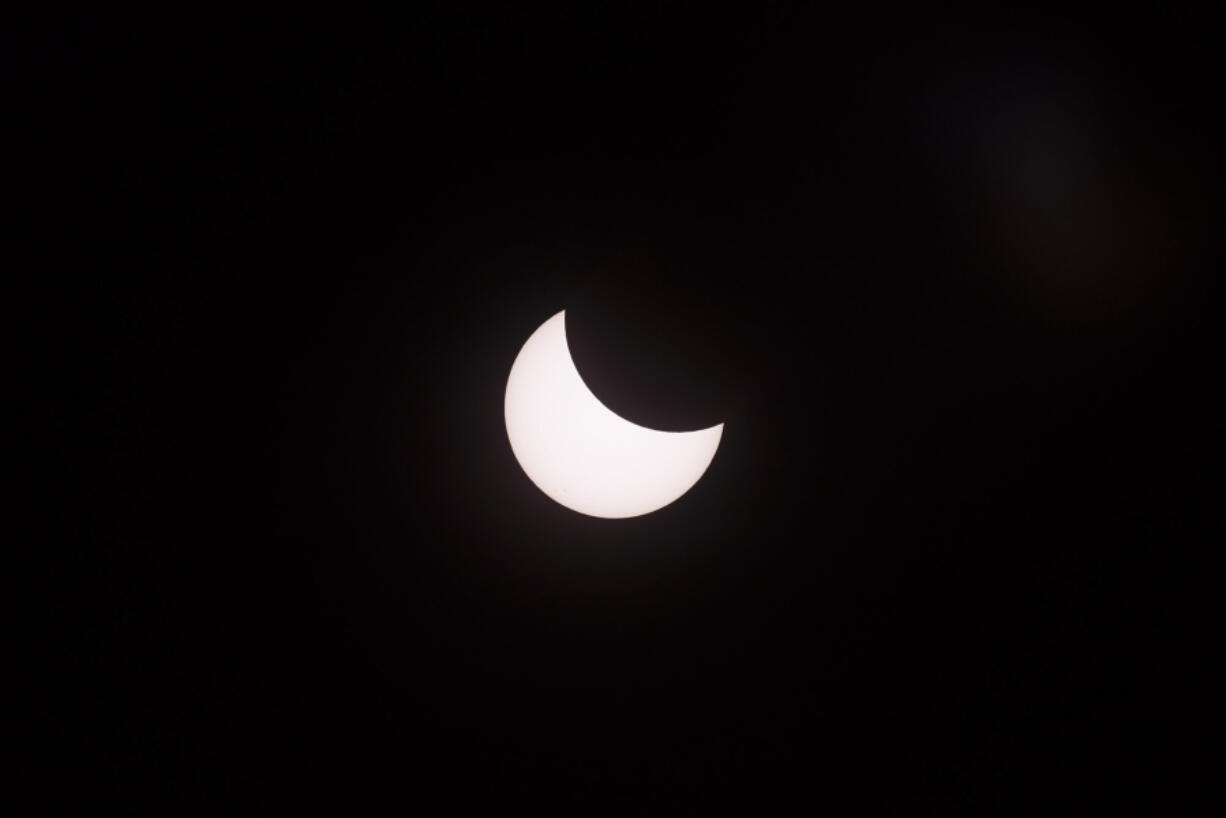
{"points": [[581, 454]]}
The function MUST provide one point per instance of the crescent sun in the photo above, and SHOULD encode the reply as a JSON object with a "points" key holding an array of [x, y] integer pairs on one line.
{"points": [[581, 453]]}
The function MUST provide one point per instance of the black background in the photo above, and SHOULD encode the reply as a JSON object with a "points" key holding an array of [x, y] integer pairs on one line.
{"points": [[945, 284]]}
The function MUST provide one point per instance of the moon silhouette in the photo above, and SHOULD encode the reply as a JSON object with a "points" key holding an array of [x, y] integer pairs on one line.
{"points": [[582, 454]]}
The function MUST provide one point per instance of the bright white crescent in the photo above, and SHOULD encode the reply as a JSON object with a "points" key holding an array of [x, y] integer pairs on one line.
{"points": [[582, 454]]}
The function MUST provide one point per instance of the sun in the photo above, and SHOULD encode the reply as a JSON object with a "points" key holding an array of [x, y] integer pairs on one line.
{"points": [[581, 453]]}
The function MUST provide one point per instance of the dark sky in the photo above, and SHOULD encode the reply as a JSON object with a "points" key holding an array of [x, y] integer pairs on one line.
{"points": [[945, 285]]}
